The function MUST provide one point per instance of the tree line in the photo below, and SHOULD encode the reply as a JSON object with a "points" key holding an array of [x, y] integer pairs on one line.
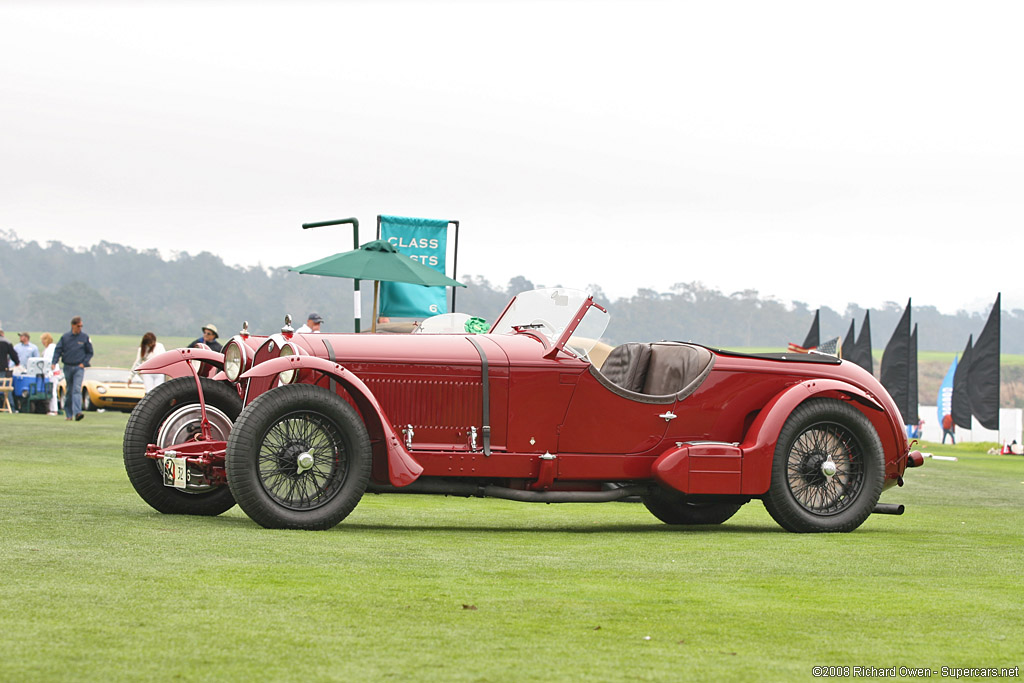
{"points": [[122, 290]]}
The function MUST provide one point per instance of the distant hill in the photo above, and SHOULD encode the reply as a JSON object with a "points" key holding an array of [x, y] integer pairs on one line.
{"points": [[121, 290]]}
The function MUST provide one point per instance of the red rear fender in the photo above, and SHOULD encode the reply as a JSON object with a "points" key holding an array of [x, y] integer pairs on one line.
{"points": [[759, 444]]}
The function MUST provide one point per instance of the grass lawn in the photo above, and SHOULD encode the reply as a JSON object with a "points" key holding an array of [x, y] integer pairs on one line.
{"points": [[98, 586]]}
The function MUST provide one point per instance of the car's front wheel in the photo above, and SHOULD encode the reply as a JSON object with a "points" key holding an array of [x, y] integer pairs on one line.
{"points": [[87, 401], [828, 469], [672, 507], [298, 458], [170, 414]]}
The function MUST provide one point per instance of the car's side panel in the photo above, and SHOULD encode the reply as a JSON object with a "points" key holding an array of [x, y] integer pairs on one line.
{"points": [[538, 397], [723, 406], [600, 421], [442, 404]]}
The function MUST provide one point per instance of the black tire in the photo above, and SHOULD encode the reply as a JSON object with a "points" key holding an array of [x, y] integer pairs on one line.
{"points": [[802, 498], [176, 404], [269, 480], [672, 507], [86, 401]]}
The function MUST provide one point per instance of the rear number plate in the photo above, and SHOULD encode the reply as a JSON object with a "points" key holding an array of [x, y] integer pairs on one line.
{"points": [[175, 472]]}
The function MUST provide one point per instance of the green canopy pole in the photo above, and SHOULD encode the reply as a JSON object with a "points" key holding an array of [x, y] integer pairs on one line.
{"points": [[357, 302]]}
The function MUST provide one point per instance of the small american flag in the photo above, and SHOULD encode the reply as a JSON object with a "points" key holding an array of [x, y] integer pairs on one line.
{"points": [[831, 347]]}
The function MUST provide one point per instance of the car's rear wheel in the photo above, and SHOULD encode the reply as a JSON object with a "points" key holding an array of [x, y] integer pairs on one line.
{"points": [[298, 458], [170, 414], [672, 507], [828, 469]]}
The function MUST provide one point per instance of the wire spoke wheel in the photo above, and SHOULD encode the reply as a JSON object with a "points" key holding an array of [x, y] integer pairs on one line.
{"points": [[828, 468], [817, 487], [302, 461], [298, 457]]}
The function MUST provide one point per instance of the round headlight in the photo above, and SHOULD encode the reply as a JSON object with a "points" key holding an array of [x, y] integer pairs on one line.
{"points": [[101, 389], [232, 361], [288, 376]]}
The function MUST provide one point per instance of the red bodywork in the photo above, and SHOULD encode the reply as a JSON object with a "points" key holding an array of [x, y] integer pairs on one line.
{"points": [[553, 425]]}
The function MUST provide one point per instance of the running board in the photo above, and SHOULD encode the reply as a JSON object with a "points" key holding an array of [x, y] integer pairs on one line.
{"points": [[472, 490]]}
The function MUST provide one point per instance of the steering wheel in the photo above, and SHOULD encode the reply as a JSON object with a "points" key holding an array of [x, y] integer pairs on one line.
{"points": [[545, 327]]}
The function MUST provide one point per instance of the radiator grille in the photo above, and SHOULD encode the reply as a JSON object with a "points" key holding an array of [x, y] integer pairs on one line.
{"points": [[436, 403]]}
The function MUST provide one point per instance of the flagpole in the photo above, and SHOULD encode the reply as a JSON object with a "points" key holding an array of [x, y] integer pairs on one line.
{"points": [[376, 287]]}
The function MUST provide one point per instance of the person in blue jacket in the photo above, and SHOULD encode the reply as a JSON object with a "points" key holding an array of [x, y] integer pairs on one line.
{"points": [[209, 338], [75, 349]]}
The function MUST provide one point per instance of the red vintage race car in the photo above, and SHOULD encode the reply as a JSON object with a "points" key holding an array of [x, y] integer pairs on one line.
{"points": [[295, 428]]}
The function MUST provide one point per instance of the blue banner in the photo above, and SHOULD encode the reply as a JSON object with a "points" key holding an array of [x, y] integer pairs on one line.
{"points": [[425, 240], [945, 398]]}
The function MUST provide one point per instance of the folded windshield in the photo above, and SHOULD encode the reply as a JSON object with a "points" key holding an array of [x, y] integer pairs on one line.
{"points": [[550, 312]]}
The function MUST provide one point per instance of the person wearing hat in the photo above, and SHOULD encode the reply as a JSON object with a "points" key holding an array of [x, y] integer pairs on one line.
{"points": [[209, 338], [313, 323], [26, 349]]}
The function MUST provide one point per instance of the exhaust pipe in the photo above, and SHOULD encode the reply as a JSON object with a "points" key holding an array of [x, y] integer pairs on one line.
{"points": [[888, 509]]}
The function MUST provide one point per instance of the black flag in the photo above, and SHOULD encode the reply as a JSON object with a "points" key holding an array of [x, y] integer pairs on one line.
{"points": [[860, 352], [848, 343], [813, 336], [983, 383], [961, 389], [913, 418], [864, 345], [895, 373]]}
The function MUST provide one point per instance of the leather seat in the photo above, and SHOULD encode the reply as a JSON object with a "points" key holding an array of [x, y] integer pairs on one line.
{"points": [[674, 367], [626, 366]]}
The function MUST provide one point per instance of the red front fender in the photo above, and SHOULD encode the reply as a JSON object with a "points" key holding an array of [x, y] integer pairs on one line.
{"points": [[175, 363], [402, 468]]}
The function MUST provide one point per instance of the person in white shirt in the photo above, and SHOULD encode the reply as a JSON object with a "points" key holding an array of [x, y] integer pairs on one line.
{"points": [[51, 374], [147, 349], [313, 323]]}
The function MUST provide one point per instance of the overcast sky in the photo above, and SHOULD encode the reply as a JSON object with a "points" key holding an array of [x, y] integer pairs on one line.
{"points": [[821, 152]]}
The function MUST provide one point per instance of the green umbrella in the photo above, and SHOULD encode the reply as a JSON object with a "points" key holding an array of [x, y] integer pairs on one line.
{"points": [[379, 261]]}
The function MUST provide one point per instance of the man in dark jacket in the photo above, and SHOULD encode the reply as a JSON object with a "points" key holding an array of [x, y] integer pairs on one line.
{"points": [[7, 355], [76, 350], [209, 338]]}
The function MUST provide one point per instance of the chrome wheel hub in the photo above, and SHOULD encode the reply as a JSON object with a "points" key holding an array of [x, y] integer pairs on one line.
{"points": [[828, 468], [303, 462]]}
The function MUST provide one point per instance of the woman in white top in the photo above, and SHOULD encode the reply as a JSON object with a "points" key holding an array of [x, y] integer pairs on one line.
{"points": [[48, 348], [147, 349]]}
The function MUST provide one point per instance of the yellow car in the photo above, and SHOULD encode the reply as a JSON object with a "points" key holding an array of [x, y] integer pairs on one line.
{"points": [[117, 388]]}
